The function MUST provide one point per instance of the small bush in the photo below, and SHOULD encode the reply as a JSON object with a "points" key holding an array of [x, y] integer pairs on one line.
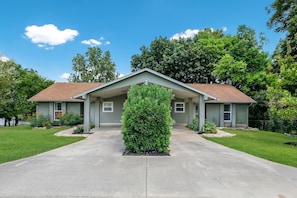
{"points": [[78, 129], [92, 125], [194, 125], [210, 127], [146, 119], [70, 119], [40, 121], [56, 123]]}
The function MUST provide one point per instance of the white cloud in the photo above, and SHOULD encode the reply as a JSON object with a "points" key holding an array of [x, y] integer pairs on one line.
{"points": [[224, 29], [4, 58], [189, 33], [49, 35], [91, 42], [65, 76], [94, 42]]}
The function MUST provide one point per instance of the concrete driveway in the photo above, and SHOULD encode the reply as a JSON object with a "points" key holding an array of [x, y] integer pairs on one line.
{"points": [[95, 167]]}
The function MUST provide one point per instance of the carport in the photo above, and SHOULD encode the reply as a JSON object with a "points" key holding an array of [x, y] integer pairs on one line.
{"points": [[104, 104]]}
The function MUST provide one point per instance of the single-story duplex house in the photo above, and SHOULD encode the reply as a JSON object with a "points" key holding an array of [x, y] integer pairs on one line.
{"points": [[102, 103]]}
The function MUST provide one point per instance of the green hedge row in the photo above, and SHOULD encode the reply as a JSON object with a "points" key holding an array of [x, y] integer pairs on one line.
{"points": [[67, 119]]}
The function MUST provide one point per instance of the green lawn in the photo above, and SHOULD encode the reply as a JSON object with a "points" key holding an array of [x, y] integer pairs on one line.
{"points": [[23, 141], [267, 145]]}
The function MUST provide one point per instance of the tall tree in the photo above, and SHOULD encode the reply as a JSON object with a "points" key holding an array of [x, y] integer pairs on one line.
{"points": [[189, 60], [17, 85], [282, 92], [7, 78], [95, 66], [245, 66], [284, 19]]}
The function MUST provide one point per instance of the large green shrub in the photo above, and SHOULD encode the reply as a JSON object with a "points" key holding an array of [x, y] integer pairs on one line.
{"points": [[146, 119]]}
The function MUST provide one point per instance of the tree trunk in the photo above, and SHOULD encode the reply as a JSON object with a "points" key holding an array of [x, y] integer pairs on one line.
{"points": [[7, 121], [16, 121]]}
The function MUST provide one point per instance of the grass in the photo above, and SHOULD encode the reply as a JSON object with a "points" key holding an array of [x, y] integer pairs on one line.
{"points": [[267, 145], [23, 141]]}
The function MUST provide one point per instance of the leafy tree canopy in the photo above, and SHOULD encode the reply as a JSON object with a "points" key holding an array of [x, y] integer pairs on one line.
{"points": [[17, 85], [94, 66], [284, 19], [189, 60], [211, 56]]}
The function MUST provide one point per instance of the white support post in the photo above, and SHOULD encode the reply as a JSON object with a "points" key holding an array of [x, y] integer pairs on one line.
{"points": [[201, 112], [87, 114], [190, 111], [233, 114], [97, 112]]}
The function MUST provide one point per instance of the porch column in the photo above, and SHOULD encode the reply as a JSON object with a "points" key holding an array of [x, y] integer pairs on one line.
{"points": [[87, 114], [233, 114], [201, 112], [190, 111], [97, 112], [247, 117], [51, 111]]}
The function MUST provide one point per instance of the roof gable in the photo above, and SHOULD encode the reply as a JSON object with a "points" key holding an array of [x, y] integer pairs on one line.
{"points": [[145, 76], [63, 92]]}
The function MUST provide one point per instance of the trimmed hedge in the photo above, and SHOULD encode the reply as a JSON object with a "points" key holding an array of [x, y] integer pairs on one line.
{"points": [[146, 119]]}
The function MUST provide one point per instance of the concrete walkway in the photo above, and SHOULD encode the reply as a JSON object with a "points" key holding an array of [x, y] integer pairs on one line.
{"points": [[95, 167]]}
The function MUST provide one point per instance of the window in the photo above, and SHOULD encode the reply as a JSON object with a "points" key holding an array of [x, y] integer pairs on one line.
{"points": [[107, 106], [227, 113], [197, 111], [57, 110], [179, 107]]}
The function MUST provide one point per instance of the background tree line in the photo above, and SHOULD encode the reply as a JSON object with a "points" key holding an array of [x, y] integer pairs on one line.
{"points": [[17, 85], [213, 57]]}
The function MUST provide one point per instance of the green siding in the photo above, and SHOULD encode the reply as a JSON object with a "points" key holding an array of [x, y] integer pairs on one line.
{"points": [[42, 109], [73, 107], [213, 113], [115, 116], [241, 114], [180, 118], [47, 108]]}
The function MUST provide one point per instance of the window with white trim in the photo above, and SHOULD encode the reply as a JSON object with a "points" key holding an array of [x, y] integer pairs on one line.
{"points": [[179, 107], [227, 112], [57, 110], [107, 106]]}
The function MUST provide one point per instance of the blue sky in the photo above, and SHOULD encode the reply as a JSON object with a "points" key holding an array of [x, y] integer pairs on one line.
{"points": [[45, 35]]}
